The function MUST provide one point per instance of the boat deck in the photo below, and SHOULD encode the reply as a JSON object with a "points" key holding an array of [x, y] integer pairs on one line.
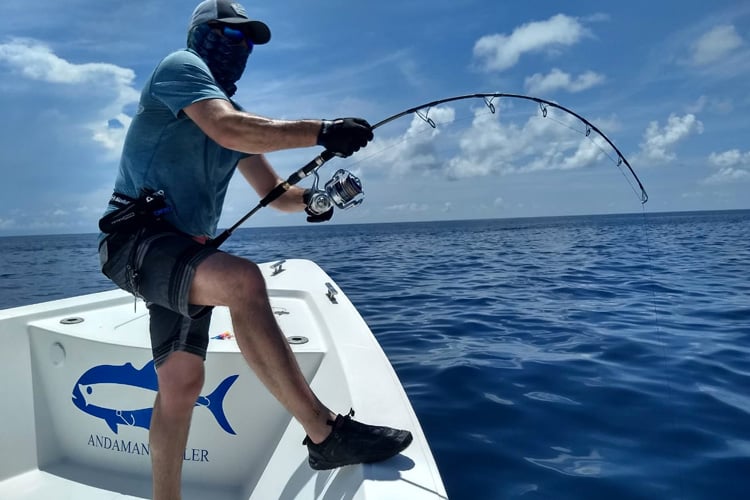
{"points": [[79, 385]]}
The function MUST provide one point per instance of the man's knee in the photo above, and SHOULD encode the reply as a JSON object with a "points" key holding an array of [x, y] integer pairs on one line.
{"points": [[181, 379], [227, 280], [248, 284]]}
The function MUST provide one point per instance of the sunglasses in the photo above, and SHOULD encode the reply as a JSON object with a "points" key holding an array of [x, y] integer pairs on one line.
{"points": [[234, 35]]}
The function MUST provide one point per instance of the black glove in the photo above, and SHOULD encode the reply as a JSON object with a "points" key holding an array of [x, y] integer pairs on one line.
{"points": [[344, 136], [313, 216]]}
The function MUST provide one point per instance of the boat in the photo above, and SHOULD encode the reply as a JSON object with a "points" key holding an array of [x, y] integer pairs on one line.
{"points": [[78, 386]]}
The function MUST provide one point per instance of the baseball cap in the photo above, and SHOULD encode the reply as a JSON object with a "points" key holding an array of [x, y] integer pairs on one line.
{"points": [[228, 12]]}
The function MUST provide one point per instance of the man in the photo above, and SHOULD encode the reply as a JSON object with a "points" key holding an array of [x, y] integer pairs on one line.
{"points": [[182, 147]]}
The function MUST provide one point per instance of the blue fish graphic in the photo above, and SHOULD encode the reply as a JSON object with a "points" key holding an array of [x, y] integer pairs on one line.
{"points": [[127, 379]]}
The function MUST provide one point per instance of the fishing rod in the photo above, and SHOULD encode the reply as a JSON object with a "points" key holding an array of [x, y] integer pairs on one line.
{"points": [[345, 190]]}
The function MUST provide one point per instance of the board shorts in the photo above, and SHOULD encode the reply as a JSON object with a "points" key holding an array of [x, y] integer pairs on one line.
{"points": [[158, 265]]}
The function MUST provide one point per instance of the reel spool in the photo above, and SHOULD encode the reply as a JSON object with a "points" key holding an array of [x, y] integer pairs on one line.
{"points": [[343, 190]]}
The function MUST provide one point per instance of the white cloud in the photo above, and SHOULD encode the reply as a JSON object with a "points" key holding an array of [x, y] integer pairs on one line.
{"points": [[417, 149], [71, 211], [494, 146], [498, 52], [659, 142], [733, 165], [558, 79], [36, 61], [714, 45], [728, 175], [730, 158], [408, 207], [111, 133], [711, 104]]}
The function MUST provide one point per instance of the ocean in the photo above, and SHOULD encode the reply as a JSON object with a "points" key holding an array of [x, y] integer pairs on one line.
{"points": [[590, 357]]}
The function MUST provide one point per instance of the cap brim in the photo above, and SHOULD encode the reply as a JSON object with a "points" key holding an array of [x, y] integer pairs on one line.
{"points": [[257, 30]]}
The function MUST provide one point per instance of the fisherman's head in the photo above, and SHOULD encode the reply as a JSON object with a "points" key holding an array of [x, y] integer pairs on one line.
{"points": [[221, 32]]}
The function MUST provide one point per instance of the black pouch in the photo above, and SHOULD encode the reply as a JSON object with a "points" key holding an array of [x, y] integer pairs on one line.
{"points": [[132, 215], [116, 259]]}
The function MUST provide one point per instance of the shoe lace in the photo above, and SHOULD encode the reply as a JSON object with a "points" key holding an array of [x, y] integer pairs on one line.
{"points": [[348, 416], [332, 423]]}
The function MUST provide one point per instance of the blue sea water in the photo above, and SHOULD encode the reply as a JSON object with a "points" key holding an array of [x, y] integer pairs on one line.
{"points": [[596, 357]]}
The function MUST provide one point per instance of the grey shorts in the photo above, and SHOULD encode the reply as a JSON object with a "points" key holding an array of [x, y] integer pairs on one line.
{"points": [[158, 266]]}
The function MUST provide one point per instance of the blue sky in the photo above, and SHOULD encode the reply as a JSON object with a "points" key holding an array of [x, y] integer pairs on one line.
{"points": [[666, 81]]}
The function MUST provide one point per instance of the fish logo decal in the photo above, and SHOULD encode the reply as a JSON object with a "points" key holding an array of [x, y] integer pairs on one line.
{"points": [[124, 395]]}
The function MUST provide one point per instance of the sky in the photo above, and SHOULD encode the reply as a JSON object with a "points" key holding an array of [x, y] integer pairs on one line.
{"points": [[666, 82]]}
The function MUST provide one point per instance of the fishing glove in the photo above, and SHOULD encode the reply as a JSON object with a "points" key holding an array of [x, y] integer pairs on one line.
{"points": [[312, 214], [344, 136]]}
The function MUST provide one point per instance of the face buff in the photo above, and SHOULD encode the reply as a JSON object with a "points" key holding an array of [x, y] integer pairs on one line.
{"points": [[226, 57]]}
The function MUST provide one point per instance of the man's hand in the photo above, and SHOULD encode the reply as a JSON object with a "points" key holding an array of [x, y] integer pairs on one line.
{"points": [[344, 136], [314, 215]]}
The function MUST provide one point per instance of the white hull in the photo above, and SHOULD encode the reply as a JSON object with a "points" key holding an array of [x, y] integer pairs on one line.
{"points": [[72, 391]]}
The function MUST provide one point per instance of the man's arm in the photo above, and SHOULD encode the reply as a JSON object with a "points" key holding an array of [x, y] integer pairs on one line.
{"points": [[259, 173], [241, 131]]}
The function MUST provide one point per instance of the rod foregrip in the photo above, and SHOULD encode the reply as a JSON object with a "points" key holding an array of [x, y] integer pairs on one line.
{"points": [[275, 193], [296, 177], [311, 165]]}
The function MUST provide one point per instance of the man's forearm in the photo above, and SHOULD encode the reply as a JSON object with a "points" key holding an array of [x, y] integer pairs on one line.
{"points": [[256, 134], [249, 133]]}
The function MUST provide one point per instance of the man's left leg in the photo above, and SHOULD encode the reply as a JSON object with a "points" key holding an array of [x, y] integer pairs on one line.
{"points": [[180, 382], [179, 346]]}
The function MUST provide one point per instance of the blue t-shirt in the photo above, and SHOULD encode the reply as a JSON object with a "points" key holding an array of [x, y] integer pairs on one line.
{"points": [[165, 150]]}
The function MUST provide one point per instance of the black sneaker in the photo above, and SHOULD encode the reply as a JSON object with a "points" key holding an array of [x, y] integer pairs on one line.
{"points": [[352, 442]]}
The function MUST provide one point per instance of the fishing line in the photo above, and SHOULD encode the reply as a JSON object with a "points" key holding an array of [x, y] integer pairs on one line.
{"points": [[423, 112], [671, 386]]}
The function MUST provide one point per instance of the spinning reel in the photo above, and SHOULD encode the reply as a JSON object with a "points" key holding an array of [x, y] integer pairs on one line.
{"points": [[343, 190]]}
